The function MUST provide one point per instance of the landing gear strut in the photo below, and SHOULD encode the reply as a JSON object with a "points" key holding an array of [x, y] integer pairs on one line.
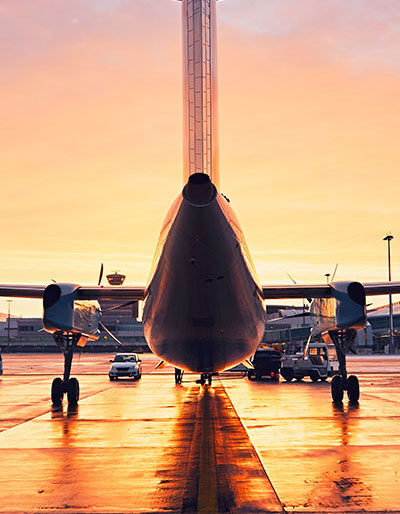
{"points": [[66, 385], [178, 376], [205, 377], [343, 341]]}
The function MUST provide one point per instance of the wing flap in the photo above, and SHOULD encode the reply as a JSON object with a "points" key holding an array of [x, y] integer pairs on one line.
{"points": [[84, 292], [111, 293], [21, 291], [381, 288], [297, 291]]}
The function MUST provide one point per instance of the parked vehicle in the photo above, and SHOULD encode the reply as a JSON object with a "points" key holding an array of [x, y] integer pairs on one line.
{"points": [[319, 363], [125, 365], [266, 362]]}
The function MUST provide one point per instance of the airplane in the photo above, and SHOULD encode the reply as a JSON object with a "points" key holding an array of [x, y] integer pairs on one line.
{"points": [[203, 304]]}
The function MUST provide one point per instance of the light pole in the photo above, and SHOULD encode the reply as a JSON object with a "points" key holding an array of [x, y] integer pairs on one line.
{"points": [[388, 238], [9, 322]]}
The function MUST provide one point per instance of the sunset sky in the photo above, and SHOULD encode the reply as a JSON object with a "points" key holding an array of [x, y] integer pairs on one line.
{"points": [[91, 135]]}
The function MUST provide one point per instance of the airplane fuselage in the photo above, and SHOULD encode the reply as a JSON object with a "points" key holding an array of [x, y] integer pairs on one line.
{"points": [[203, 309]]}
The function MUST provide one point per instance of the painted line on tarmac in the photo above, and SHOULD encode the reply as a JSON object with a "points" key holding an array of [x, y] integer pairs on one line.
{"points": [[224, 472], [53, 408]]}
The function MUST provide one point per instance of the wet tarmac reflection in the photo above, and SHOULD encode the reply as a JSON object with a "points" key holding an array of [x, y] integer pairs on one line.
{"points": [[323, 457], [150, 446]]}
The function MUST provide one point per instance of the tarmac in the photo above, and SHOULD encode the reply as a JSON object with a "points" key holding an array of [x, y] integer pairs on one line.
{"points": [[239, 446]]}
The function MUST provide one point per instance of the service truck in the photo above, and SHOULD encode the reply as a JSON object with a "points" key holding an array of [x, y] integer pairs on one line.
{"points": [[318, 362]]}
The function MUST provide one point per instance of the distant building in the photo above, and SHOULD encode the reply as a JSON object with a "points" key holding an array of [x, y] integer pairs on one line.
{"points": [[26, 334], [128, 312], [291, 325]]}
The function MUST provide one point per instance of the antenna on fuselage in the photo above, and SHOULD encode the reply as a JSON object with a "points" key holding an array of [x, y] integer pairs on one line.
{"points": [[200, 119]]}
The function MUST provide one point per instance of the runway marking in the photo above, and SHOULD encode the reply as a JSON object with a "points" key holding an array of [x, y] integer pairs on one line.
{"points": [[224, 472], [40, 410], [207, 492]]}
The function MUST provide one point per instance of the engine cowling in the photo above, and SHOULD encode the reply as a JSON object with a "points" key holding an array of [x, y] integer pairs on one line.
{"points": [[63, 312], [346, 308]]}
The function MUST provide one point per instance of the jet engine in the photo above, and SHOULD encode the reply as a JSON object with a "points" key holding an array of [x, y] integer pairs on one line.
{"points": [[64, 312], [346, 308]]}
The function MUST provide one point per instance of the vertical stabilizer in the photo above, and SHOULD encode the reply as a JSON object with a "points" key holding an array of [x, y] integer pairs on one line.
{"points": [[200, 89]]}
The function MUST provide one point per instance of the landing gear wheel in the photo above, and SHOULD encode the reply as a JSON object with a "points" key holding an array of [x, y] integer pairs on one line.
{"points": [[209, 379], [337, 389], [178, 376], [288, 374], [112, 379], [73, 391], [314, 376], [57, 391], [353, 389], [202, 379]]}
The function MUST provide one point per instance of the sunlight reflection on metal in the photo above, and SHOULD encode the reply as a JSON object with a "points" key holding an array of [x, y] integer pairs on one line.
{"points": [[200, 88]]}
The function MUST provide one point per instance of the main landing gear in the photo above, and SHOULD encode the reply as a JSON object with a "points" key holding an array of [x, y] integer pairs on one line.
{"points": [[343, 341], [66, 385], [178, 376], [205, 377]]}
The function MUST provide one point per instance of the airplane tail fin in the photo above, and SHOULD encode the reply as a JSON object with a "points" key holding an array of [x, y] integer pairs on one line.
{"points": [[200, 125]]}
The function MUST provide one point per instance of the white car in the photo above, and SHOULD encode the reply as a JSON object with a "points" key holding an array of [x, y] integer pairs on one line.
{"points": [[125, 365]]}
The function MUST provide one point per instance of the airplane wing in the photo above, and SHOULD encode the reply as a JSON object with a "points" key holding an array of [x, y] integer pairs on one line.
{"points": [[138, 292], [296, 291], [325, 290], [379, 288], [84, 292]]}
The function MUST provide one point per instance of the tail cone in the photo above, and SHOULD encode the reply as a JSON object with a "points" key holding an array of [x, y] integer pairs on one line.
{"points": [[199, 190]]}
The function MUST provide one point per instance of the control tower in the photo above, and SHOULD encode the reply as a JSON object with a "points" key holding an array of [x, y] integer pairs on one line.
{"points": [[200, 124], [126, 312]]}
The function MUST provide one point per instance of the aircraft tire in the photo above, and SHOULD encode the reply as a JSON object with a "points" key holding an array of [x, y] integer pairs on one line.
{"points": [[73, 391], [337, 389], [57, 392], [353, 389]]}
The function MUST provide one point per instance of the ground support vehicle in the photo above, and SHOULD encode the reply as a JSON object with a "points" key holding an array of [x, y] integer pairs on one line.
{"points": [[266, 362], [125, 365], [319, 362]]}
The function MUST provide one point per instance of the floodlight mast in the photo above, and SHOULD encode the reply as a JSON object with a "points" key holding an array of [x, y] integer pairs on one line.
{"points": [[388, 238], [200, 118]]}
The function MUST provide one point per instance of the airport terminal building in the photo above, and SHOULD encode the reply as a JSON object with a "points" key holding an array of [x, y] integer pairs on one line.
{"points": [[283, 324], [26, 334]]}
